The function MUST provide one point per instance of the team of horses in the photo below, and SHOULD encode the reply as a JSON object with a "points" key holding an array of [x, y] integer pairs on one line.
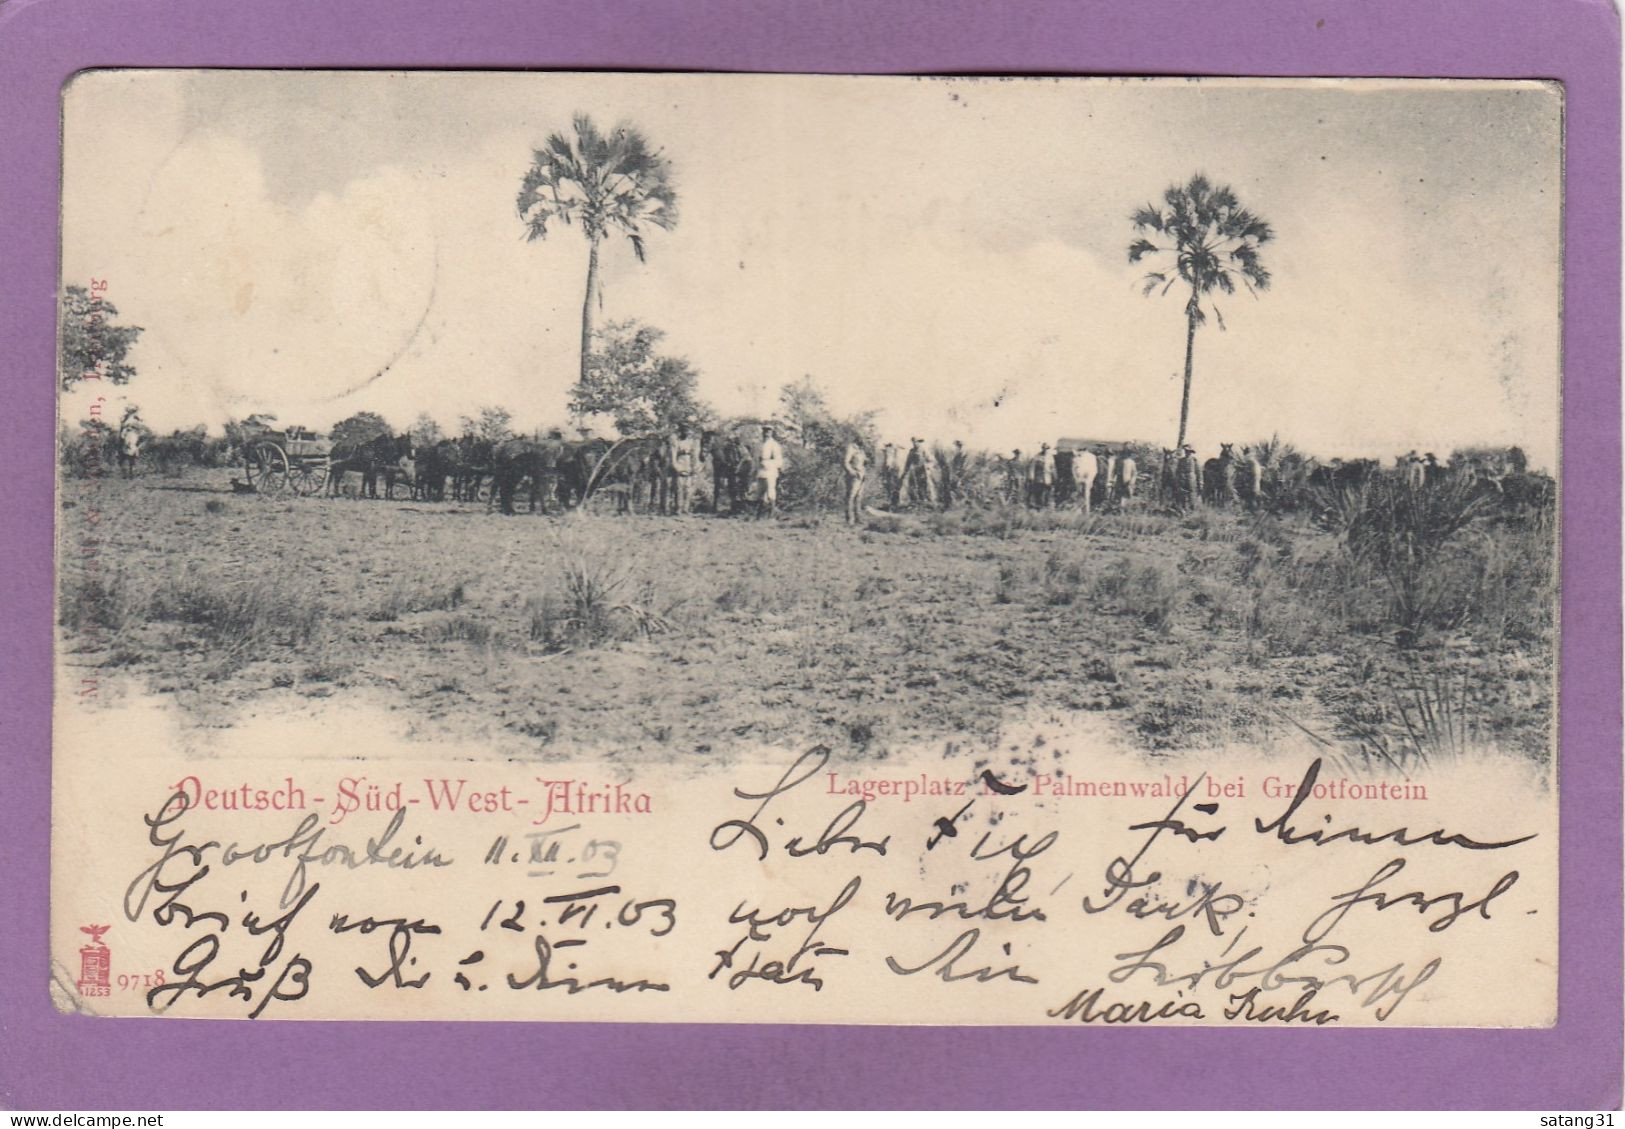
{"points": [[549, 472]]}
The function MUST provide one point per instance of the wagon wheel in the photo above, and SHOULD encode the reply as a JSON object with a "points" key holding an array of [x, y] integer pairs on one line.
{"points": [[308, 478], [267, 468]]}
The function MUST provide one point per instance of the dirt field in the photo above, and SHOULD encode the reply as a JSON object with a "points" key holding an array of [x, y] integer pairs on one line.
{"points": [[644, 635]]}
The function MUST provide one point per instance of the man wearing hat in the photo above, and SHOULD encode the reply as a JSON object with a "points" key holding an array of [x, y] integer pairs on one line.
{"points": [[891, 474], [1414, 470], [1189, 478], [1015, 478], [769, 463], [953, 474], [1041, 477], [683, 455], [916, 476], [855, 463], [129, 440]]}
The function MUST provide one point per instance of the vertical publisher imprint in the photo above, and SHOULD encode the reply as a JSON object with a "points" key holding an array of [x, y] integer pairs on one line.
{"points": [[95, 963]]}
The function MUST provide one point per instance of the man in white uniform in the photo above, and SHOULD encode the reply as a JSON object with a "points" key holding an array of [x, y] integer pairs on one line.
{"points": [[769, 462], [683, 457], [856, 465]]}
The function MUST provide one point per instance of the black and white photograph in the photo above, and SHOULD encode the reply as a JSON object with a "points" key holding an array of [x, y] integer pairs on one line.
{"points": [[681, 415], [879, 433]]}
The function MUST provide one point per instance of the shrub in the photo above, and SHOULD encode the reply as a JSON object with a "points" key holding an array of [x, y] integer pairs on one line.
{"points": [[1402, 533], [238, 615], [757, 594], [423, 598], [884, 523], [1065, 578], [91, 601], [593, 598], [460, 629], [1148, 589]]}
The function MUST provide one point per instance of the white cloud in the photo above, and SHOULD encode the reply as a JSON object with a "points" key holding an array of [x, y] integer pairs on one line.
{"points": [[959, 267]]}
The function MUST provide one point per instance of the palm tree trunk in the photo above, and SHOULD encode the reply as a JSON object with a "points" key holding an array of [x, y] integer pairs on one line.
{"points": [[586, 308], [1190, 346]]}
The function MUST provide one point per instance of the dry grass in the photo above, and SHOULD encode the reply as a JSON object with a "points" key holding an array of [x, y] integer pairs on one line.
{"points": [[241, 614], [596, 595], [419, 598], [1189, 630], [96, 602]]}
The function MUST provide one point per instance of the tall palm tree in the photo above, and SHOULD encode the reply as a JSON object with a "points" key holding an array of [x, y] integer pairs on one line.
{"points": [[1210, 242], [614, 184]]}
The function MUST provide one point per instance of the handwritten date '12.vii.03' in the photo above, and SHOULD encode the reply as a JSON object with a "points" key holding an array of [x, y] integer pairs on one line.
{"points": [[806, 890]]}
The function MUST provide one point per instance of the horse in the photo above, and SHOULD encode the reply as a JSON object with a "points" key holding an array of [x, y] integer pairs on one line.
{"points": [[1219, 475], [732, 468], [1338, 474], [435, 465], [1085, 469], [624, 466], [471, 463], [1529, 494], [1252, 479], [386, 456], [1128, 473], [541, 462], [1100, 490]]}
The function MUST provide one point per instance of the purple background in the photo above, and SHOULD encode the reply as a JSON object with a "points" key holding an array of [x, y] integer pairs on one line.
{"points": [[53, 1061]]}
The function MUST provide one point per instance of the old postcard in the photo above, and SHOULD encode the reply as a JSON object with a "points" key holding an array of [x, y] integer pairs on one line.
{"points": [[763, 548]]}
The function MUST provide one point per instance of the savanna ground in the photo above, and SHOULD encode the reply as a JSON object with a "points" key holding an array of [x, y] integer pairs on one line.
{"points": [[648, 636]]}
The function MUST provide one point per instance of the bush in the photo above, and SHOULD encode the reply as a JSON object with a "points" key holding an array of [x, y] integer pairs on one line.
{"points": [[92, 602], [86, 451], [237, 616], [757, 594], [593, 598], [423, 598], [1146, 588], [1403, 533], [460, 629]]}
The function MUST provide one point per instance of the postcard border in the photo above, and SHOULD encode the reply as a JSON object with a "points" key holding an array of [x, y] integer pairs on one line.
{"points": [[54, 1061]]}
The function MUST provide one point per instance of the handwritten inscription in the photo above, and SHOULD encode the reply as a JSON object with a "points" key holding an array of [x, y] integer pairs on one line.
{"points": [[1187, 903]]}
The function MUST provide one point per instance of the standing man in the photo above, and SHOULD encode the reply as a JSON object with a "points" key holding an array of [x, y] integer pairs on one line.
{"points": [[1190, 478], [1041, 477], [856, 465], [891, 474], [769, 462], [684, 459], [1432, 472], [953, 474], [129, 440], [1015, 478], [1414, 470], [916, 477]]}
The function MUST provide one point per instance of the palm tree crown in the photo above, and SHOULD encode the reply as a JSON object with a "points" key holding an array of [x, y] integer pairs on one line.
{"points": [[608, 184], [1212, 242], [1212, 239], [614, 183]]}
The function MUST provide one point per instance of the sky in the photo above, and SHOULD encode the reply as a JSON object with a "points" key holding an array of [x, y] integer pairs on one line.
{"points": [[951, 253]]}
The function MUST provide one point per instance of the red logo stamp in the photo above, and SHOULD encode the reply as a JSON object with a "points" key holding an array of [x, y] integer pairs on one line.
{"points": [[95, 963]]}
